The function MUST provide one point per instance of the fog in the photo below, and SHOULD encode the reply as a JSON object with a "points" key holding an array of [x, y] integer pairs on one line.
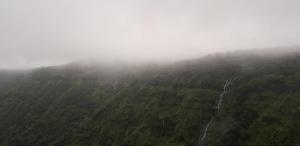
{"points": [[50, 32]]}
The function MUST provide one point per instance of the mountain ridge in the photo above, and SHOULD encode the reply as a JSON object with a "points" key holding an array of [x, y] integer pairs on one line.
{"points": [[166, 105]]}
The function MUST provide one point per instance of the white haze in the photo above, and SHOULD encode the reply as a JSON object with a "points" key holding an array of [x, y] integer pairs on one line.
{"points": [[48, 32]]}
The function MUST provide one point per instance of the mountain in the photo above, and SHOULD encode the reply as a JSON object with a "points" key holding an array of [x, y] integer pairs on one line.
{"points": [[242, 98]]}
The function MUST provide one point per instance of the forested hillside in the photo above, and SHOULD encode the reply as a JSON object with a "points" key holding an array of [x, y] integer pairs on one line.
{"points": [[182, 104]]}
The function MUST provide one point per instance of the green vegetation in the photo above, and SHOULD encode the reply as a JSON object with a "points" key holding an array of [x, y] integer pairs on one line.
{"points": [[155, 105]]}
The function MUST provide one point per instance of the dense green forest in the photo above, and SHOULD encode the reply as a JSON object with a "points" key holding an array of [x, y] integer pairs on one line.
{"points": [[155, 105]]}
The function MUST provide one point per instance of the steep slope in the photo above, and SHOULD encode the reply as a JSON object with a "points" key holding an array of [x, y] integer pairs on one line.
{"points": [[169, 105]]}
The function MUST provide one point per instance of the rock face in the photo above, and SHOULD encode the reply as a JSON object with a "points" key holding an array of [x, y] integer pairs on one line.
{"points": [[232, 99]]}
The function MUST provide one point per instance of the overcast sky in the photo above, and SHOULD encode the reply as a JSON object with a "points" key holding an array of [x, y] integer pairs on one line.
{"points": [[48, 32]]}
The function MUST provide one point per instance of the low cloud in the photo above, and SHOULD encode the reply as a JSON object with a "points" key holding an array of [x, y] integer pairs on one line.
{"points": [[37, 33]]}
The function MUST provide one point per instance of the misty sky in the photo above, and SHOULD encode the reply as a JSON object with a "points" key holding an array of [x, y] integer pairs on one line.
{"points": [[49, 32]]}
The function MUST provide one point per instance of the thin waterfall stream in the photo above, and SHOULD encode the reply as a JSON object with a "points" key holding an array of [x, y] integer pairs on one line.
{"points": [[219, 105]]}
